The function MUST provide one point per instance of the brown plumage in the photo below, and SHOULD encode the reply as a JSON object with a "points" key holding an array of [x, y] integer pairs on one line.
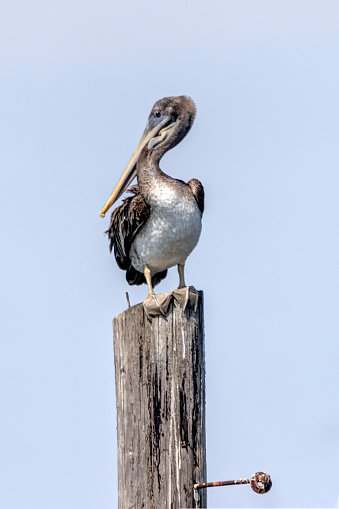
{"points": [[174, 116], [126, 221], [198, 192]]}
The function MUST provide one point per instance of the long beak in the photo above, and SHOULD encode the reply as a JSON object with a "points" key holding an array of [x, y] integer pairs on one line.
{"points": [[131, 168]]}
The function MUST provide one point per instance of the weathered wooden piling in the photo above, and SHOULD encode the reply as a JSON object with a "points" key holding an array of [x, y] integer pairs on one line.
{"points": [[160, 397]]}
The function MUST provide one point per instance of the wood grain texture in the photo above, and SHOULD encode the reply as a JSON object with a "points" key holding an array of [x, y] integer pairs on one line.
{"points": [[160, 397]]}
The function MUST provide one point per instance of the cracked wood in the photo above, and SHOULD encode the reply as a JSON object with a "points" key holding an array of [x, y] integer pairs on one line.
{"points": [[160, 397]]}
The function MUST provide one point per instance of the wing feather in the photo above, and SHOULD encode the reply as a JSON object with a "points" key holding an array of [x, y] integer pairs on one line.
{"points": [[198, 192], [126, 221]]}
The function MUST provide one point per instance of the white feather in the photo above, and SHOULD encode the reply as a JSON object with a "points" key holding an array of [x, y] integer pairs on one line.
{"points": [[171, 233]]}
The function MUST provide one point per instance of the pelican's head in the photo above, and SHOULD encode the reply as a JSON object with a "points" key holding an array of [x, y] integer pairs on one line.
{"points": [[168, 123]]}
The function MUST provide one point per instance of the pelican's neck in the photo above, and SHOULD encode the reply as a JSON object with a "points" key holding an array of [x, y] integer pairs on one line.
{"points": [[149, 173]]}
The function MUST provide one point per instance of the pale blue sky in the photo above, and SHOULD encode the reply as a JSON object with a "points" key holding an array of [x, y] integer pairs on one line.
{"points": [[78, 80]]}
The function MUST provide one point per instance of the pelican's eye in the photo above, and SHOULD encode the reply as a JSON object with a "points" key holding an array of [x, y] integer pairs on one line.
{"points": [[157, 114]]}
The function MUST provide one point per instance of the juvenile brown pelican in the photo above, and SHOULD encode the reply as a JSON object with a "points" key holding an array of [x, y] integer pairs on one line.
{"points": [[160, 224]]}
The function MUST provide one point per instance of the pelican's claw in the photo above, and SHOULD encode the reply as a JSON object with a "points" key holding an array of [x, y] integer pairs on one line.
{"points": [[159, 305]]}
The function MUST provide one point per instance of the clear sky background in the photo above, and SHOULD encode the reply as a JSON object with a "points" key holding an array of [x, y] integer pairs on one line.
{"points": [[78, 80]]}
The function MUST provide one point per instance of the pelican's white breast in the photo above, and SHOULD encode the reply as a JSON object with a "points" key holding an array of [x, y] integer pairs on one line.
{"points": [[171, 232]]}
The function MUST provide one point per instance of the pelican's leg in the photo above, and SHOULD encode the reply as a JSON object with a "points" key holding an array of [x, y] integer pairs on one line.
{"points": [[189, 297], [181, 276], [148, 277]]}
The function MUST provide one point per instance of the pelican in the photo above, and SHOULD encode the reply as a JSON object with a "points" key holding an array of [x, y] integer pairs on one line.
{"points": [[159, 225]]}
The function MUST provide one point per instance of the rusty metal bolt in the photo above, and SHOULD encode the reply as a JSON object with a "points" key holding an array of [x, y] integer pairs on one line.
{"points": [[260, 483]]}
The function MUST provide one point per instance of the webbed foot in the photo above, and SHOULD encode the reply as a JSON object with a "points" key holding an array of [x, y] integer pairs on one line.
{"points": [[187, 297], [155, 305]]}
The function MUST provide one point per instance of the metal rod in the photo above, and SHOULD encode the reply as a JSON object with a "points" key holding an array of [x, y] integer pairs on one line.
{"points": [[260, 483], [220, 483]]}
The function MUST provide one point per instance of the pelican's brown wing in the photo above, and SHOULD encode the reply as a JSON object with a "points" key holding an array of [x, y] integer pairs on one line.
{"points": [[199, 193], [126, 221]]}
